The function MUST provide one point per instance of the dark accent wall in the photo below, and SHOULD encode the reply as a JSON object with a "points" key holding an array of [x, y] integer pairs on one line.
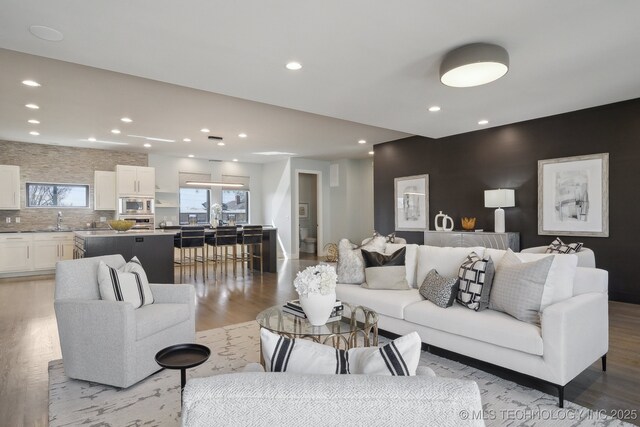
{"points": [[461, 167]]}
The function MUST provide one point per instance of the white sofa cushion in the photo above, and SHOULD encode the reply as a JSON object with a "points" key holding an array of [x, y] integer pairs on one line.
{"points": [[409, 260], [489, 326], [559, 284], [445, 260], [387, 302]]}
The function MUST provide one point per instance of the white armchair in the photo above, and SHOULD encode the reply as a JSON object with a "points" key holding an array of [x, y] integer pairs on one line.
{"points": [[109, 342]]}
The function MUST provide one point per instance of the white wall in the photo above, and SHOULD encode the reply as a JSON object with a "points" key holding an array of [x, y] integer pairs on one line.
{"points": [[276, 190]]}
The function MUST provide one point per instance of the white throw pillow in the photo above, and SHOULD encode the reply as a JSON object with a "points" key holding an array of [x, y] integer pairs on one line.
{"points": [[410, 259], [128, 284], [495, 254], [559, 284], [282, 354], [445, 260]]}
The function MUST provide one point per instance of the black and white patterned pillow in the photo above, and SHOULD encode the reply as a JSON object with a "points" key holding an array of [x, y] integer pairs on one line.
{"points": [[476, 276], [400, 357], [559, 247], [128, 284], [439, 290]]}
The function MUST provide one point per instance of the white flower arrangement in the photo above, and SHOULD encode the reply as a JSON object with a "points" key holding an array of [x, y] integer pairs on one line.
{"points": [[216, 209], [318, 279]]}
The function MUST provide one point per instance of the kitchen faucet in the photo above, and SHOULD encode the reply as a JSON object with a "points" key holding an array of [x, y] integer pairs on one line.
{"points": [[59, 226]]}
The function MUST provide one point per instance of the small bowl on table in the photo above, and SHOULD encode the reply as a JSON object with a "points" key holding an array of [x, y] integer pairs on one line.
{"points": [[120, 225]]}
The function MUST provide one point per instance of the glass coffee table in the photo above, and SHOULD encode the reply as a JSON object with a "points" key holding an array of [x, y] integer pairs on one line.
{"points": [[357, 328]]}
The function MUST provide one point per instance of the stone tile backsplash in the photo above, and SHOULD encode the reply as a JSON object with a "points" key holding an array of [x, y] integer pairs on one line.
{"points": [[58, 164]]}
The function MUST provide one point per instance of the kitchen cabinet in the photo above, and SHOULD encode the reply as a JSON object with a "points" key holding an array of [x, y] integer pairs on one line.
{"points": [[104, 191], [9, 187], [135, 181], [15, 253], [49, 248]]}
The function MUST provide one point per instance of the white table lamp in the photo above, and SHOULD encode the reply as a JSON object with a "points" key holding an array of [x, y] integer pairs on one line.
{"points": [[500, 198]]}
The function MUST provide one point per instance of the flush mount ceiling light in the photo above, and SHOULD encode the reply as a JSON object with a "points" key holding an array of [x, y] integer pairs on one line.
{"points": [[115, 131], [214, 184], [235, 160], [126, 120], [91, 139], [186, 139], [191, 156], [362, 141], [434, 108], [221, 144], [371, 153], [32, 106], [205, 130], [474, 65], [483, 122], [34, 133], [242, 135], [33, 121]]}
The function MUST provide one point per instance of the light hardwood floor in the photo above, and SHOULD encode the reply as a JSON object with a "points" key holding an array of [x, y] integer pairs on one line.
{"points": [[29, 340]]}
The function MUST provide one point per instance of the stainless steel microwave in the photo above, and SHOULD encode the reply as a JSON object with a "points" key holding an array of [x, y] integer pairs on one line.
{"points": [[135, 206]]}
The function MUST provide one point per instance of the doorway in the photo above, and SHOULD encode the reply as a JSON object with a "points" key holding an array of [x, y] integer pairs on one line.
{"points": [[308, 214]]}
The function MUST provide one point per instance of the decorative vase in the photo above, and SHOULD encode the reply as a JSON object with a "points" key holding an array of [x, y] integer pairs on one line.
{"points": [[318, 307]]}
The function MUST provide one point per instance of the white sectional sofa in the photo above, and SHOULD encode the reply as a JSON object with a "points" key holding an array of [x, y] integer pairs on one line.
{"points": [[572, 335]]}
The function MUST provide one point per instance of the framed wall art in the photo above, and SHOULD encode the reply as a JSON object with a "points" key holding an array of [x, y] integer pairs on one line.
{"points": [[573, 196], [412, 203], [303, 210]]}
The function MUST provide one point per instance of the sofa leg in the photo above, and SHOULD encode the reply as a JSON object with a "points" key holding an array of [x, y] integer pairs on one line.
{"points": [[604, 363], [560, 396]]}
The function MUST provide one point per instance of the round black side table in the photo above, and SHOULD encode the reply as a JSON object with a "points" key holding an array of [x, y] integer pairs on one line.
{"points": [[183, 357]]}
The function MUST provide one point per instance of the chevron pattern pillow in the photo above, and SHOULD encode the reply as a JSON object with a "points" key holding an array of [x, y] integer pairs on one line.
{"points": [[559, 247]]}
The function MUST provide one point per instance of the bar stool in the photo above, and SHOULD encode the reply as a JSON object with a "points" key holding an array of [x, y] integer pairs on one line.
{"points": [[210, 242], [250, 240], [227, 237], [191, 238]]}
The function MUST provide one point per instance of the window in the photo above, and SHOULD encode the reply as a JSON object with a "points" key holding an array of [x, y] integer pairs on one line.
{"points": [[41, 195], [194, 203], [235, 203]]}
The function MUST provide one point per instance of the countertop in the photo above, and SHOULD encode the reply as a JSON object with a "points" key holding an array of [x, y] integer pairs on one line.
{"points": [[156, 232]]}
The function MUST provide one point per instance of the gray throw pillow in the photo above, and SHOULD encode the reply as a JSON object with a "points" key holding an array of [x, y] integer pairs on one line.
{"points": [[439, 290], [476, 278], [350, 268], [518, 286]]}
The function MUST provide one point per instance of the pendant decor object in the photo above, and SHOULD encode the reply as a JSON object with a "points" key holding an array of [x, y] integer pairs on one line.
{"points": [[318, 307], [443, 222]]}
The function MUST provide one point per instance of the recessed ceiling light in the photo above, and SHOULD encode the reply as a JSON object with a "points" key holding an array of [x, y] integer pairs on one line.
{"points": [[483, 122], [190, 155], [31, 83], [147, 145], [235, 160], [46, 33], [33, 121], [293, 66], [91, 139], [371, 153], [362, 141], [434, 108], [34, 133], [126, 120], [32, 106], [242, 135], [205, 130], [187, 140], [116, 131], [221, 144]]}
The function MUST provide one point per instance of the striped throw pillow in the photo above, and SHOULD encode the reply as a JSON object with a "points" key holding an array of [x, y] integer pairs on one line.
{"points": [[281, 354], [128, 284]]}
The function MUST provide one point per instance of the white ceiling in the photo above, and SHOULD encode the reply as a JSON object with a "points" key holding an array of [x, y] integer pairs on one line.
{"points": [[373, 62]]}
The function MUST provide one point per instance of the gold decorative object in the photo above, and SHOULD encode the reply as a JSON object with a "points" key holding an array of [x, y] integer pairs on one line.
{"points": [[120, 224], [332, 252], [468, 223]]}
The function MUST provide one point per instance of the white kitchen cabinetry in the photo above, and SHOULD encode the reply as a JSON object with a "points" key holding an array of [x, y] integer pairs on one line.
{"points": [[135, 181], [104, 191], [9, 187], [48, 248], [15, 252]]}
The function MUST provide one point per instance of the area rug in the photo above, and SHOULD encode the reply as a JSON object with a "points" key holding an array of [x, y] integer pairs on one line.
{"points": [[156, 400]]}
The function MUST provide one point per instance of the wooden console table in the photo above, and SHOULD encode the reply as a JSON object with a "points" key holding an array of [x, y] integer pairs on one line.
{"points": [[473, 238]]}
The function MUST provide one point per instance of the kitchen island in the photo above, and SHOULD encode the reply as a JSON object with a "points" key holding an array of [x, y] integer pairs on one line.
{"points": [[154, 249]]}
